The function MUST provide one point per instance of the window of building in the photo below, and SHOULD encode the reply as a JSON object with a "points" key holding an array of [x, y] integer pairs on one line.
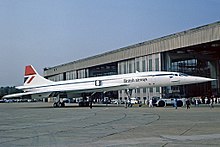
{"points": [[144, 65], [137, 66], [157, 66], [125, 68], [150, 65], [130, 67], [119, 68], [157, 89]]}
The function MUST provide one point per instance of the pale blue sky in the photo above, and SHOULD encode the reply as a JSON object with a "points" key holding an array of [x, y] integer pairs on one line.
{"points": [[46, 33]]}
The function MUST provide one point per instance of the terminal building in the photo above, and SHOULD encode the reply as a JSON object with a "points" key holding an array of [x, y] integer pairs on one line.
{"points": [[194, 52]]}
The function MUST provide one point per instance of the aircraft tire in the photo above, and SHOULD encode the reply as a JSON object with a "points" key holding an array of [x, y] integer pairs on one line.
{"points": [[55, 105], [59, 104], [62, 104]]}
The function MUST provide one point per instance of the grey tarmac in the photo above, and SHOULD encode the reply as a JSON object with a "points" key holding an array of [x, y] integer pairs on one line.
{"points": [[38, 124]]}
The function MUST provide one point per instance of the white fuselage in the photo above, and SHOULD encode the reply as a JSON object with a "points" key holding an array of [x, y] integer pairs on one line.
{"points": [[38, 86], [123, 81]]}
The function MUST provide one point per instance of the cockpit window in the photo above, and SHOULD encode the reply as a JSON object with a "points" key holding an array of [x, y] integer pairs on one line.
{"points": [[182, 74]]}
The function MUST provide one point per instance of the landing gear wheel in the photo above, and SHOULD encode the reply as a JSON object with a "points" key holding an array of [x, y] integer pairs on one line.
{"points": [[58, 104], [62, 104], [55, 105]]}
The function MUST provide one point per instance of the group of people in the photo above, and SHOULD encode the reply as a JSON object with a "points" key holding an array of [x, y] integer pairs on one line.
{"points": [[205, 100], [211, 101], [196, 102]]}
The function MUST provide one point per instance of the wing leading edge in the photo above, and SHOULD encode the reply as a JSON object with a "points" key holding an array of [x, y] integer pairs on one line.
{"points": [[107, 87]]}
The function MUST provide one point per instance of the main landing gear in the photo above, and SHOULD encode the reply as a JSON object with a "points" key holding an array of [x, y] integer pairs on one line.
{"points": [[58, 104]]}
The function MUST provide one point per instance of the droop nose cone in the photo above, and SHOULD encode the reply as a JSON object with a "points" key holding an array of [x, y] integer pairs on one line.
{"points": [[202, 79]]}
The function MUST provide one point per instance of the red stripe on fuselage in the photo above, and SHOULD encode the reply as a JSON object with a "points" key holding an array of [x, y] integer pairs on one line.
{"points": [[29, 70]]}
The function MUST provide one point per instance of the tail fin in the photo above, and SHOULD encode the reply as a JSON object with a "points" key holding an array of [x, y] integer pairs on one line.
{"points": [[31, 77]]}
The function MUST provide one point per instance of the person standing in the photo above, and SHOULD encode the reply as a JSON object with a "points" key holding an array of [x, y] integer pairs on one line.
{"points": [[90, 102], [175, 103], [126, 103], [196, 102], [187, 103], [211, 103], [150, 103]]}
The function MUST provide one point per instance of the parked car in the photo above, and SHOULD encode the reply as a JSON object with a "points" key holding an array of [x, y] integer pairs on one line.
{"points": [[133, 101]]}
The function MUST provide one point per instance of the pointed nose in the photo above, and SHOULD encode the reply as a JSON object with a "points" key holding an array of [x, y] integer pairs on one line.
{"points": [[202, 79], [194, 80]]}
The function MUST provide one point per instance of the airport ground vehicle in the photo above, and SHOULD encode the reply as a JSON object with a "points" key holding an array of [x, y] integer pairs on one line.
{"points": [[162, 102]]}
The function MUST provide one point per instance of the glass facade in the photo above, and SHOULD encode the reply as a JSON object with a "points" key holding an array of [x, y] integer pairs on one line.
{"points": [[196, 67], [192, 66], [103, 70]]}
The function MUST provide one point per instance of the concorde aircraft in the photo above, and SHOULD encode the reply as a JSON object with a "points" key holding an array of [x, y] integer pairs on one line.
{"points": [[36, 85]]}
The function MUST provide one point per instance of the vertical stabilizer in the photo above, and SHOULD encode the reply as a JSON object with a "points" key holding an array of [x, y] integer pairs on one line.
{"points": [[31, 77]]}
